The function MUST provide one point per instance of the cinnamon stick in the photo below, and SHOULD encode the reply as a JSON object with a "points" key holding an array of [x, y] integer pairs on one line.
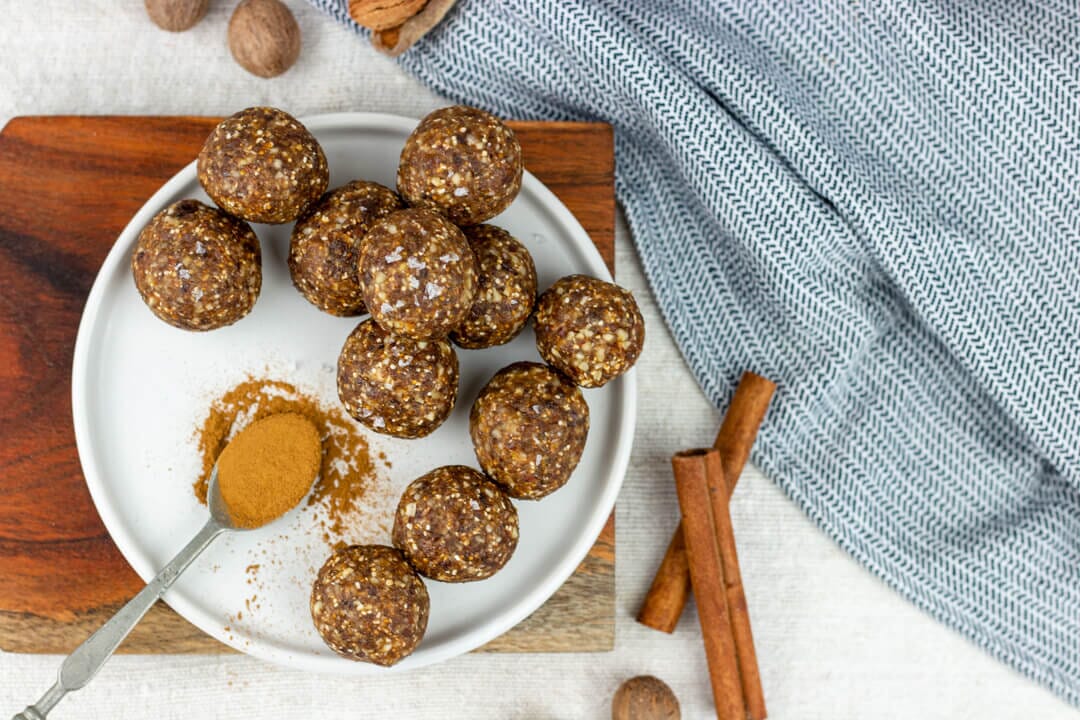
{"points": [[671, 585], [707, 577], [752, 693], [741, 422]]}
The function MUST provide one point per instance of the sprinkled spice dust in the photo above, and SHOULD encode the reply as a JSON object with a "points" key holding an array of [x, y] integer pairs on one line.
{"points": [[347, 473]]}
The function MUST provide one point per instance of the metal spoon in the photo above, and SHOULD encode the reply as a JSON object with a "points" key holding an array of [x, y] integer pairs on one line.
{"points": [[81, 666]]}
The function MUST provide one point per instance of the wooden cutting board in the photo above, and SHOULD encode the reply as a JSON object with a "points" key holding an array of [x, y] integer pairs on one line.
{"points": [[68, 186]]}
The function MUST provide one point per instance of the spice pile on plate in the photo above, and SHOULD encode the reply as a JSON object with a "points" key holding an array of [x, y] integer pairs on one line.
{"points": [[347, 470], [432, 273]]}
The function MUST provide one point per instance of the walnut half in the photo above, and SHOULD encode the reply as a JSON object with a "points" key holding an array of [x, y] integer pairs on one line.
{"points": [[383, 14]]}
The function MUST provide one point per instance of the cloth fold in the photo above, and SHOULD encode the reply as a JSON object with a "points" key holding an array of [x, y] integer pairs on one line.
{"points": [[876, 205]]}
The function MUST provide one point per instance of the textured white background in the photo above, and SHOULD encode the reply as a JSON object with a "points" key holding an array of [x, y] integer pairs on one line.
{"points": [[833, 642]]}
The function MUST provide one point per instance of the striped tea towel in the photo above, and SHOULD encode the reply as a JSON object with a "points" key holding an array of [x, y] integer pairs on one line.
{"points": [[875, 204]]}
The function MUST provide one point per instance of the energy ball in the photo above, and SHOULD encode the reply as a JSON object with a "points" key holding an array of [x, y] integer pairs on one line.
{"points": [[395, 385], [463, 162], [263, 166], [589, 329], [528, 428], [196, 267], [418, 274], [505, 289], [324, 252], [455, 525], [368, 604]]}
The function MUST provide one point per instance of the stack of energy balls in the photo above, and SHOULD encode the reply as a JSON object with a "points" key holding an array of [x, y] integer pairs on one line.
{"points": [[431, 274]]}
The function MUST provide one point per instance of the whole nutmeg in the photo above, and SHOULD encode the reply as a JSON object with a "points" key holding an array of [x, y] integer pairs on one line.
{"points": [[645, 698], [176, 15], [264, 37], [383, 14]]}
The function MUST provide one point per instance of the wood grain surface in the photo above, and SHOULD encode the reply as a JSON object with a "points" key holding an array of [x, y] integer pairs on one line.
{"points": [[68, 186]]}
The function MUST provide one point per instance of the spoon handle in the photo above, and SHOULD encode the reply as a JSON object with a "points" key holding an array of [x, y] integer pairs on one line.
{"points": [[81, 665]]}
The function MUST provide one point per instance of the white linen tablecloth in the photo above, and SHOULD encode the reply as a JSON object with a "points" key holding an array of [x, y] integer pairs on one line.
{"points": [[833, 642]]}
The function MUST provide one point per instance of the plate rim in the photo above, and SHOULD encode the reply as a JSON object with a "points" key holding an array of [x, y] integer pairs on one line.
{"points": [[133, 554]]}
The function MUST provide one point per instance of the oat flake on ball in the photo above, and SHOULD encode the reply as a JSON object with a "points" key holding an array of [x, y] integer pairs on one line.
{"points": [[528, 427], [262, 165], [455, 525], [395, 385], [418, 274], [462, 162], [368, 604], [505, 289], [196, 267], [589, 329], [324, 252]]}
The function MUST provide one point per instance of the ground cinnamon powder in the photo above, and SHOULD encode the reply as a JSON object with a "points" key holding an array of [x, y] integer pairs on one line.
{"points": [[268, 468], [347, 471]]}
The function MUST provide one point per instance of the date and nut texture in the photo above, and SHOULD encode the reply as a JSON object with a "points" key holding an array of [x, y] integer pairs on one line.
{"points": [[528, 427], [455, 525], [368, 604], [395, 385], [263, 166], [418, 274], [196, 267], [505, 289], [324, 252], [463, 162], [589, 329]]}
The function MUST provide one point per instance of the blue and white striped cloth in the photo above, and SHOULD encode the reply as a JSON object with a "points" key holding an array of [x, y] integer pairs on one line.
{"points": [[875, 204]]}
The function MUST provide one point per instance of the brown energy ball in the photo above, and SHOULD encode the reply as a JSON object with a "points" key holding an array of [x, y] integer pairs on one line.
{"points": [[196, 267], [455, 525], [505, 289], [395, 385], [589, 329], [263, 166], [324, 252], [528, 427], [368, 604], [462, 162], [418, 274]]}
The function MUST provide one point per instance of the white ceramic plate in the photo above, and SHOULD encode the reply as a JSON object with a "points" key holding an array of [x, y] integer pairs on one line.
{"points": [[140, 387]]}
